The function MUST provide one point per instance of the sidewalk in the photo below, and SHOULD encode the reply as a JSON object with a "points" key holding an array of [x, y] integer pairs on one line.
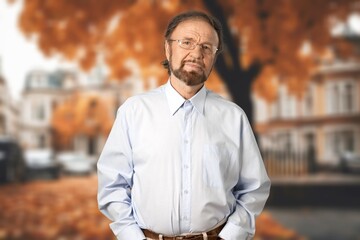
{"points": [[318, 190], [320, 223]]}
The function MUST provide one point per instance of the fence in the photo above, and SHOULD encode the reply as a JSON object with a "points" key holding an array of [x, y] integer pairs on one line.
{"points": [[288, 163]]}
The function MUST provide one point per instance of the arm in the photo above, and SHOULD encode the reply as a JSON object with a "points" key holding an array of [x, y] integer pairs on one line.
{"points": [[251, 191], [115, 171]]}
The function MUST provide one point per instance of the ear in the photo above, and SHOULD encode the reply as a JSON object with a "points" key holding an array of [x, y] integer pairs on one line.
{"points": [[167, 50]]}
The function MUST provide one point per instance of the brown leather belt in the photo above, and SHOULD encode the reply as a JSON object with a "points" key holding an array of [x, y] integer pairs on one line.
{"points": [[211, 235]]}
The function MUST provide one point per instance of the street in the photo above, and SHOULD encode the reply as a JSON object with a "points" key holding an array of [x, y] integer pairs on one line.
{"points": [[319, 206], [320, 223]]}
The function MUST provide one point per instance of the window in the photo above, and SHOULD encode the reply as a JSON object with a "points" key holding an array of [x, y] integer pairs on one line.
{"points": [[285, 142], [341, 141], [308, 102], [348, 141], [42, 141], [310, 139], [348, 98], [38, 111], [336, 143], [335, 99]]}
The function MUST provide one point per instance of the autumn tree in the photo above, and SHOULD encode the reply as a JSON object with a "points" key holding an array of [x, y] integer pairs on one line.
{"points": [[81, 114], [263, 38]]}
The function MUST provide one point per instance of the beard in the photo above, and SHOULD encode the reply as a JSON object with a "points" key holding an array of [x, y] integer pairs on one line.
{"points": [[191, 78]]}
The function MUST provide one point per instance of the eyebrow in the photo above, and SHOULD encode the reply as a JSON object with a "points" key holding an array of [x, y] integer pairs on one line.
{"points": [[191, 38]]}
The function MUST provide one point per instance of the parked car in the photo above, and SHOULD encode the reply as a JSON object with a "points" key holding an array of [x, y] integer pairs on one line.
{"points": [[350, 162], [11, 161], [76, 163], [40, 163]]}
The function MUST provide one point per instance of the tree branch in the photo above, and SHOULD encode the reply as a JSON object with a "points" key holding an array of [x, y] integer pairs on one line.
{"points": [[233, 48]]}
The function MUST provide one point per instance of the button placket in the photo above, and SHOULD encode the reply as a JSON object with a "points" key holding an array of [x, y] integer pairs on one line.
{"points": [[186, 171]]}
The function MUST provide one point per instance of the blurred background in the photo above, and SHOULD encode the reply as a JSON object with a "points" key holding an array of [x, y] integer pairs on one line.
{"points": [[66, 66]]}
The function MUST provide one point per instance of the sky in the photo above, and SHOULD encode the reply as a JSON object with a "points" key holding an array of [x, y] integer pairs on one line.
{"points": [[18, 55]]}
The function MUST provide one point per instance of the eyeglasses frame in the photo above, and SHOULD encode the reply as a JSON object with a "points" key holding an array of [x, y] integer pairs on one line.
{"points": [[215, 49]]}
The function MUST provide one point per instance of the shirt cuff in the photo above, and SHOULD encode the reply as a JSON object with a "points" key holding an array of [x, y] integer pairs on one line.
{"points": [[130, 232], [234, 232]]}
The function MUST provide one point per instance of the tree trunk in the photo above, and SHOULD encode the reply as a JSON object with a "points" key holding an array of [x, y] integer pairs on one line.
{"points": [[237, 79], [239, 84]]}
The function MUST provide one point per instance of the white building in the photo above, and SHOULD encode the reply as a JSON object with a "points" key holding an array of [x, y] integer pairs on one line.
{"points": [[326, 118], [44, 91], [8, 111]]}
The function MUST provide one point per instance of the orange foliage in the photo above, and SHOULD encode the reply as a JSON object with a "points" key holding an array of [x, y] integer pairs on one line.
{"points": [[215, 84], [64, 209], [274, 32], [82, 114], [271, 33], [267, 84], [268, 228]]}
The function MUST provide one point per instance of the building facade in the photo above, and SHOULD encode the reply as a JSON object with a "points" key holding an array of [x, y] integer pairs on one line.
{"points": [[8, 111], [326, 118], [42, 93], [45, 91]]}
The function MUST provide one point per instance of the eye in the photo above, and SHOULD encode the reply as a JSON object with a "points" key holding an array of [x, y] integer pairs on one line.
{"points": [[186, 42], [206, 47]]}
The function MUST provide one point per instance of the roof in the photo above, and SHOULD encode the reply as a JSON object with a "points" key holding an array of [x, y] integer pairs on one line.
{"points": [[40, 79], [339, 66]]}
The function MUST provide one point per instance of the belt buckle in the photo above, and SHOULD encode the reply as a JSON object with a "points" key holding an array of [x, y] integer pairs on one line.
{"points": [[179, 237]]}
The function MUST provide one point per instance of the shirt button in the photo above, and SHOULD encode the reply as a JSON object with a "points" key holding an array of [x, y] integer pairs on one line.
{"points": [[186, 191], [186, 166], [186, 141]]}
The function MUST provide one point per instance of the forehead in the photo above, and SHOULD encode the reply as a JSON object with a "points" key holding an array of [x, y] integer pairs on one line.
{"points": [[197, 29]]}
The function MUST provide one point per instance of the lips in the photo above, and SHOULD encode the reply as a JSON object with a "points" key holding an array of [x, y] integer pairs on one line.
{"points": [[193, 65]]}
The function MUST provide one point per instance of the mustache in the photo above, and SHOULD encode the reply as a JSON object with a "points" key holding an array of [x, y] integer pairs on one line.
{"points": [[201, 64]]}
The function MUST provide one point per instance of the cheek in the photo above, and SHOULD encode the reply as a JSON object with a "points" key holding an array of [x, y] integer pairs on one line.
{"points": [[177, 58], [209, 65]]}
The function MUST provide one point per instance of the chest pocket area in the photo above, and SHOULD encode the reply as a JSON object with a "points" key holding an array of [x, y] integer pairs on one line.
{"points": [[216, 161]]}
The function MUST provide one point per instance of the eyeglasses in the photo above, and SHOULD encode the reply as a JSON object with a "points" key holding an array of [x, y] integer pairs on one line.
{"points": [[189, 44]]}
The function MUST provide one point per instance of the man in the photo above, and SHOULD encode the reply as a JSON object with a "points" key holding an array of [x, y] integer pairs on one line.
{"points": [[180, 161]]}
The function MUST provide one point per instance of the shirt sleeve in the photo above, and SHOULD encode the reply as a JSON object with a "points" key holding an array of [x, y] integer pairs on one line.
{"points": [[251, 191], [115, 171]]}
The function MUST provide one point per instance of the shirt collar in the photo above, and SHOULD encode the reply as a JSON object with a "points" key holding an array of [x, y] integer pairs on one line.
{"points": [[175, 100]]}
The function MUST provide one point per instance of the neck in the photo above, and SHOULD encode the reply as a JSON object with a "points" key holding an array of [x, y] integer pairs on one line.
{"points": [[184, 90]]}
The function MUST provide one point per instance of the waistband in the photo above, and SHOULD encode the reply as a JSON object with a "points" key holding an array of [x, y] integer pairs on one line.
{"points": [[210, 235]]}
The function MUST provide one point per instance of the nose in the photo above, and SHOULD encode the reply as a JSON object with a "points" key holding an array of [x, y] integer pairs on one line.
{"points": [[197, 52]]}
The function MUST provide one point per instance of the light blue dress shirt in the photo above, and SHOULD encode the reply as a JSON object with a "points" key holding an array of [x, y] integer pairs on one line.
{"points": [[178, 166]]}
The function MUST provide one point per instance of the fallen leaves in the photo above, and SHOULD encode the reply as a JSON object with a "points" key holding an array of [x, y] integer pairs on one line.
{"points": [[63, 209]]}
